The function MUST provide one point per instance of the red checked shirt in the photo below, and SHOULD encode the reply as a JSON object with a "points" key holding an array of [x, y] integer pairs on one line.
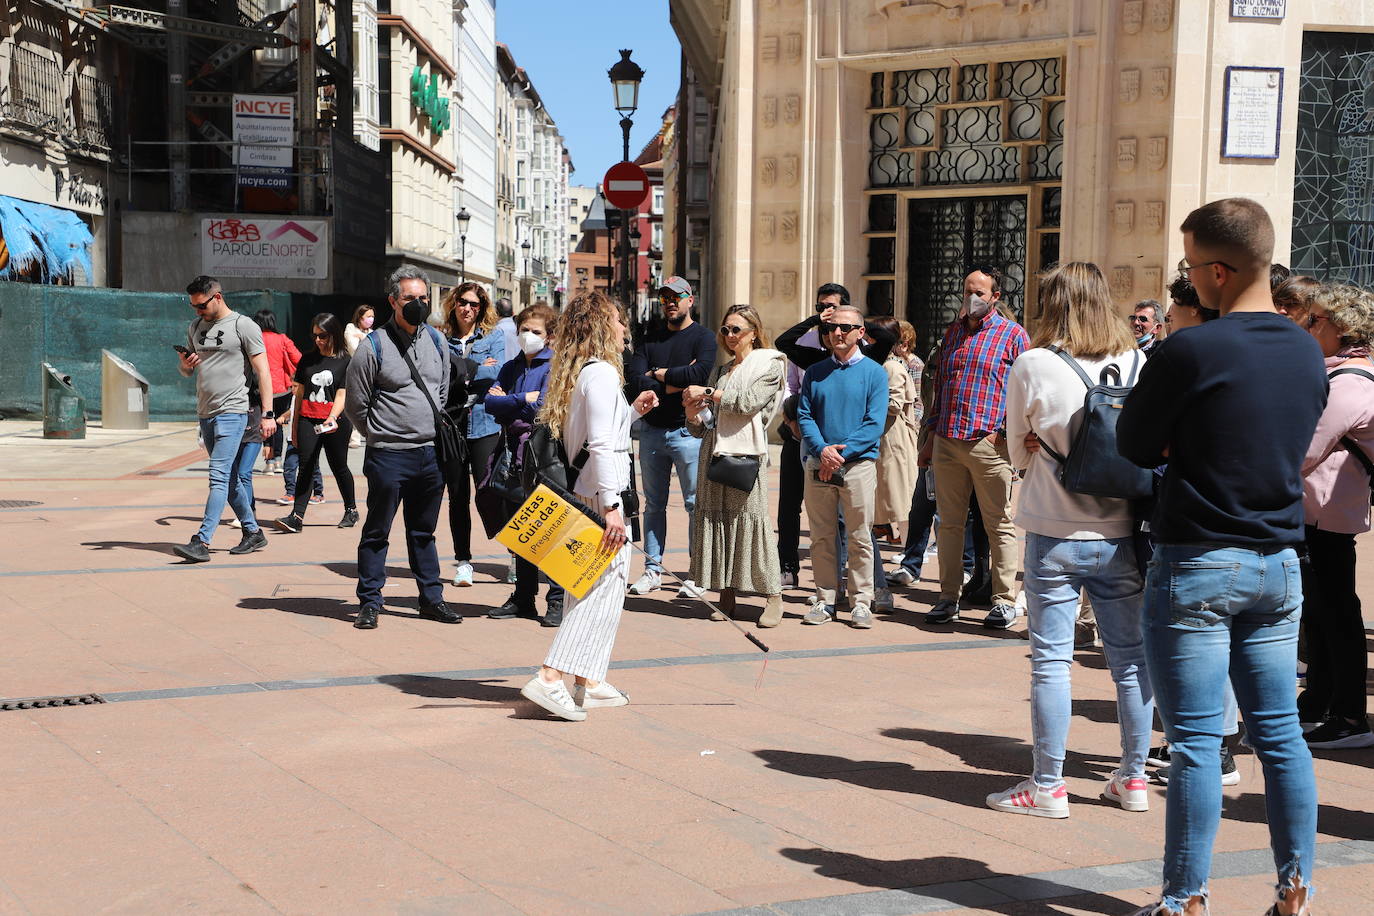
{"points": [[971, 385]]}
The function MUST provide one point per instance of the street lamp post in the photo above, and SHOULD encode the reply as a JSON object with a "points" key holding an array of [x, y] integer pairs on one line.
{"points": [[625, 79], [559, 294], [463, 218], [529, 281]]}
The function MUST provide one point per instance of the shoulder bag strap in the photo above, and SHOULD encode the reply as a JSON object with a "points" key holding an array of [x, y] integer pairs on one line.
{"points": [[1350, 444], [420, 382]]}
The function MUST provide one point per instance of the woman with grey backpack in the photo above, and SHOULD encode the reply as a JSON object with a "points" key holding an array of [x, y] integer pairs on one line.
{"points": [[1082, 356]]}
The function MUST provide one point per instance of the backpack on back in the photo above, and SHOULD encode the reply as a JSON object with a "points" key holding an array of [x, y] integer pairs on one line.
{"points": [[1093, 465]]}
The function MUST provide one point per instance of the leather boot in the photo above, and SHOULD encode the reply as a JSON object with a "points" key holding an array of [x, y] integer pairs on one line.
{"points": [[772, 612], [726, 603]]}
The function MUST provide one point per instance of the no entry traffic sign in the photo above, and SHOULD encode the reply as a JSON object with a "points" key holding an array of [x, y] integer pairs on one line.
{"points": [[625, 186]]}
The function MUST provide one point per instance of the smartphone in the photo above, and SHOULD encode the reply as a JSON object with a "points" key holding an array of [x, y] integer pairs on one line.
{"points": [[327, 427], [180, 349], [836, 479]]}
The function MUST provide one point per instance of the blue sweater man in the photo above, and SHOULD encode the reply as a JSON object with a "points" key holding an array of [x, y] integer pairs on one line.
{"points": [[841, 411]]}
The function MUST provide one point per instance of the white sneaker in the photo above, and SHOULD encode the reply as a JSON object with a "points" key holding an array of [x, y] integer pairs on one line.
{"points": [[601, 696], [789, 579], [554, 698], [462, 574], [882, 599], [1128, 792], [1028, 798], [646, 583], [900, 576], [861, 618], [690, 589]]}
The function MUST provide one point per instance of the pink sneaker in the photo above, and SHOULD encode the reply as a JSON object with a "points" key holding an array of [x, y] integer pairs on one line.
{"points": [[1028, 798], [1128, 792]]}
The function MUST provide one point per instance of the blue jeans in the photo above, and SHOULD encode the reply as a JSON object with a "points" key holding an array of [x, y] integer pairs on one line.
{"points": [[1211, 610], [290, 464], [660, 451], [1055, 571], [408, 479], [231, 471]]}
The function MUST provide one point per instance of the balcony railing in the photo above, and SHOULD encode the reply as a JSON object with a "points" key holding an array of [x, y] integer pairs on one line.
{"points": [[35, 89], [38, 93]]}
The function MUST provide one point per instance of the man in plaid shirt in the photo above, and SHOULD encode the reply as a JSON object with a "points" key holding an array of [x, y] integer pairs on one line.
{"points": [[966, 444]]}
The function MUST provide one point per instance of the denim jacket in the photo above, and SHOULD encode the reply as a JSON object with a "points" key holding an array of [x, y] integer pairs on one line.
{"points": [[484, 345]]}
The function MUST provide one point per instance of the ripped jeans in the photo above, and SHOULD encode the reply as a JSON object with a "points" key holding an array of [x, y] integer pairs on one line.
{"points": [[1210, 610]]}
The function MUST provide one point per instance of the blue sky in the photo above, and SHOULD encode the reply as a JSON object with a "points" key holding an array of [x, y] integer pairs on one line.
{"points": [[566, 46]]}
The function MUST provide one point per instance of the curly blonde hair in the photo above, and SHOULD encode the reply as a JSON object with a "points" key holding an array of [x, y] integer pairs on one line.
{"points": [[1350, 309], [586, 331]]}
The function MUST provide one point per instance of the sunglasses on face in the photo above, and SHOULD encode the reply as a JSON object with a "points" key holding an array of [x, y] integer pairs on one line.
{"points": [[1139, 319], [204, 303], [321, 336], [424, 299], [730, 331], [822, 306], [828, 327], [469, 303]]}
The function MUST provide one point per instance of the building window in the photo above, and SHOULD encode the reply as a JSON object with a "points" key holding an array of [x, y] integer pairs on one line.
{"points": [[994, 124], [656, 237], [1333, 197], [658, 201]]}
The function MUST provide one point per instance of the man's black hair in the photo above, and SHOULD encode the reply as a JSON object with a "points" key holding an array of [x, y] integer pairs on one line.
{"points": [[831, 289], [993, 274], [1182, 292], [203, 285], [1277, 274]]}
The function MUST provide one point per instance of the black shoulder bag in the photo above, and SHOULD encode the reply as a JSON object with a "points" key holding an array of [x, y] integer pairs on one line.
{"points": [[450, 448]]}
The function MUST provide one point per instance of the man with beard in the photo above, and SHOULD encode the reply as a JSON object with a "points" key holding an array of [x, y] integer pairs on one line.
{"points": [[672, 355]]}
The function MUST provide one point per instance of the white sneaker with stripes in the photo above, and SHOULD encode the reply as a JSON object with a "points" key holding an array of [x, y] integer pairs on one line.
{"points": [[1028, 798]]}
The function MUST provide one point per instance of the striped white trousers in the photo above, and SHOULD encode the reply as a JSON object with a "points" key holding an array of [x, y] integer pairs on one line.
{"points": [[583, 644]]}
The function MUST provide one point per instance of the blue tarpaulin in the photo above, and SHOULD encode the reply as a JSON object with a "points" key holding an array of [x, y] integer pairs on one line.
{"points": [[54, 239]]}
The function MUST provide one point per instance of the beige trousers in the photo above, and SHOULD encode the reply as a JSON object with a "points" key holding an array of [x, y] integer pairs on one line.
{"points": [[974, 466], [823, 501]]}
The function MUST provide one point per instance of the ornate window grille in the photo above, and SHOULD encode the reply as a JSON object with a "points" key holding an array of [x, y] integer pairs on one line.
{"points": [[35, 90]]}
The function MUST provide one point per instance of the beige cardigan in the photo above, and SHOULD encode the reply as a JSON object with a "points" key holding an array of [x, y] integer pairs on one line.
{"points": [[750, 396]]}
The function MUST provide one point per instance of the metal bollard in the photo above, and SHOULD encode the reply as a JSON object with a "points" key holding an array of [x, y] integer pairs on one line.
{"points": [[123, 394], [64, 411]]}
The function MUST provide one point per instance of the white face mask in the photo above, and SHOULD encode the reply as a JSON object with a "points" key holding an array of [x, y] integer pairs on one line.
{"points": [[531, 343], [975, 307]]}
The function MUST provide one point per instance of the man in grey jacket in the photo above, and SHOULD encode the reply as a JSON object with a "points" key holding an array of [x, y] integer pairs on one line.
{"points": [[384, 403]]}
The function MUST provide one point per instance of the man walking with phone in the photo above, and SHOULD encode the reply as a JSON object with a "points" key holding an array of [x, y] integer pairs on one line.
{"points": [[841, 411], [225, 352]]}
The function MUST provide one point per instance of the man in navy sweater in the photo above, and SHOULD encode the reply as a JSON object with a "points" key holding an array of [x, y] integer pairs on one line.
{"points": [[841, 411], [671, 356], [1232, 405]]}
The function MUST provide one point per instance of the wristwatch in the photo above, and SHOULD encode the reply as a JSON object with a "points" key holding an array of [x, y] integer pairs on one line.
{"points": [[269, 414], [710, 392]]}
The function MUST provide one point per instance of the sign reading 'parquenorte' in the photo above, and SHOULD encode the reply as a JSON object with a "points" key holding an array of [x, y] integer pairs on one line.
{"points": [[251, 246]]}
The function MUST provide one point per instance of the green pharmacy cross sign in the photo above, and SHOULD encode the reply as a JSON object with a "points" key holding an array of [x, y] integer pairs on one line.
{"points": [[424, 95]]}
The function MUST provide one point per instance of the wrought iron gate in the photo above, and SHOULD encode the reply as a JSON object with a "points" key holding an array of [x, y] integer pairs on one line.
{"points": [[949, 239]]}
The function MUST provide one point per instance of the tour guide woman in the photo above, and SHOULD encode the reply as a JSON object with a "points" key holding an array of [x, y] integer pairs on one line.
{"points": [[585, 408]]}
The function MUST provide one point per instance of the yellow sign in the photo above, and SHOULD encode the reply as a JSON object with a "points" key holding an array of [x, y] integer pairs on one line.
{"points": [[556, 536]]}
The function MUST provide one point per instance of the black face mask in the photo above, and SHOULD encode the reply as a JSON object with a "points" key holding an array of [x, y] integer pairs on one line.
{"points": [[415, 312]]}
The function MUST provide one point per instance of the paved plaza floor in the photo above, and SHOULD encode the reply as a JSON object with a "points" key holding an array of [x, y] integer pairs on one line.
{"points": [[243, 749]]}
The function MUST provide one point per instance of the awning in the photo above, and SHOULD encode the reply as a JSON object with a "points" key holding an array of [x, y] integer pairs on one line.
{"points": [[54, 239]]}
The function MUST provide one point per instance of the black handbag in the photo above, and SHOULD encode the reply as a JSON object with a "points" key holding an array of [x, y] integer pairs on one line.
{"points": [[737, 471]]}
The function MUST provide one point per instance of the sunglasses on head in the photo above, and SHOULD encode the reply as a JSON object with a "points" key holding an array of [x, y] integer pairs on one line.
{"points": [[829, 326]]}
